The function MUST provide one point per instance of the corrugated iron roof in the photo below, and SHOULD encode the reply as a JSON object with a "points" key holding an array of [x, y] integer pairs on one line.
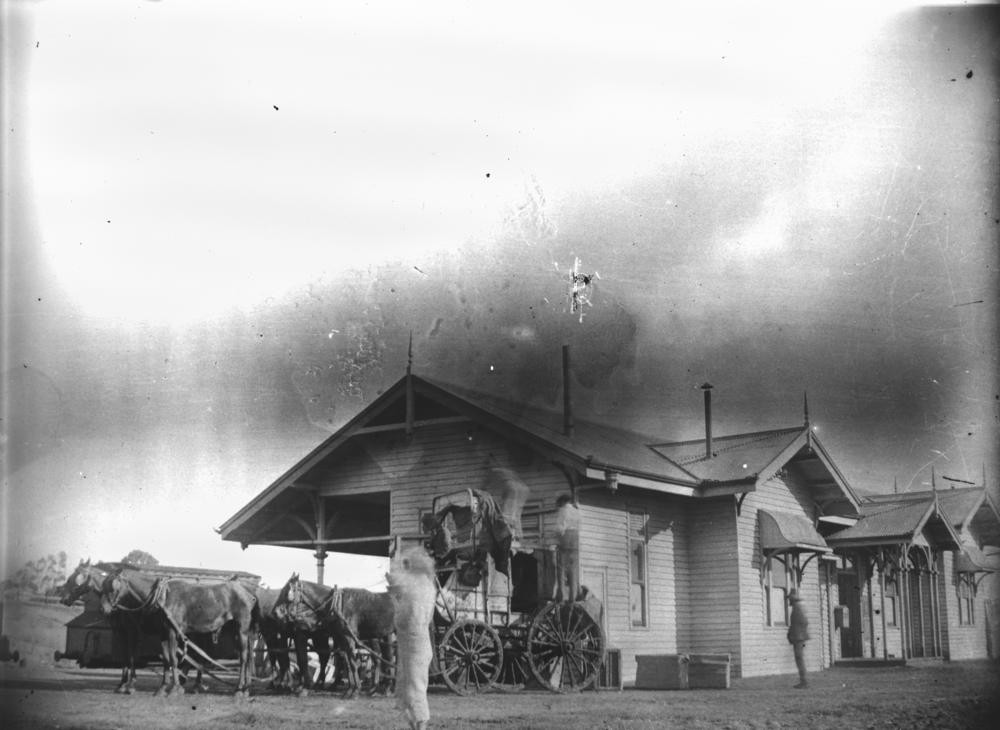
{"points": [[959, 503], [889, 521], [734, 458], [623, 449]]}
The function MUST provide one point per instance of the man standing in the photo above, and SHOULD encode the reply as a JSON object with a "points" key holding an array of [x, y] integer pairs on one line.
{"points": [[798, 635]]}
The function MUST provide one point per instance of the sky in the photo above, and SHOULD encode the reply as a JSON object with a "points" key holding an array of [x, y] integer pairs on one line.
{"points": [[221, 222]]}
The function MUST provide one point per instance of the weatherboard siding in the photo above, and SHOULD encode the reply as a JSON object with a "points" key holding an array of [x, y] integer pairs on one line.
{"points": [[435, 460], [765, 649], [963, 641], [604, 546], [713, 590]]}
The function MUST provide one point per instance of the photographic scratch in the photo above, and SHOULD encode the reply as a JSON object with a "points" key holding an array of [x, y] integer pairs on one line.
{"points": [[965, 304]]}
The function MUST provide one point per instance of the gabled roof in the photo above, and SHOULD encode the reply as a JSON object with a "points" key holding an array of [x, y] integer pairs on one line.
{"points": [[592, 446], [970, 508], [592, 443], [898, 521], [753, 458], [595, 450], [741, 457]]}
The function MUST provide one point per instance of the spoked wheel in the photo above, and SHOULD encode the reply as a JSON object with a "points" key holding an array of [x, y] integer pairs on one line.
{"points": [[516, 672], [565, 647], [470, 657]]}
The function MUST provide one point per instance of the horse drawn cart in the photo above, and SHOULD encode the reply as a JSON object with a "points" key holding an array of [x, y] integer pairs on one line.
{"points": [[497, 623]]}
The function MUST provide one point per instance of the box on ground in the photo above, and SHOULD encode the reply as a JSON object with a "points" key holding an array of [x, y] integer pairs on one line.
{"points": [[682, 671]]}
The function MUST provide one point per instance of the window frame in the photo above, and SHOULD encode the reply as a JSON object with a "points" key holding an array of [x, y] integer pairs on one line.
{"points": [[892, 600], [965, 586], [533, 509], [638, 538]]}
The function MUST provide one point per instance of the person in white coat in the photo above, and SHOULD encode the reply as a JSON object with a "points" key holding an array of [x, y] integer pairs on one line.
{"points": [[411, 587]]}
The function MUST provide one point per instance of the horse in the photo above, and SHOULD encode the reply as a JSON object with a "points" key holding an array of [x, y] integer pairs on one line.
{"points": [[301, 632], [86, 578], [125, 615], [352, 616], [179, 608], [89, 579], [273, 632]]}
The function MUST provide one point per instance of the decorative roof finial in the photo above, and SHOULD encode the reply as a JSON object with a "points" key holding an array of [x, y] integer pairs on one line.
{"points": [[409, 355], [895, 485], [934, 484], [805, 406]]}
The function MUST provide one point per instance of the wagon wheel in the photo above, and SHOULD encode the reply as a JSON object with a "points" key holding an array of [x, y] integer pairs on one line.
{"points": [[516, 672], [565, 647], [470, 656]]}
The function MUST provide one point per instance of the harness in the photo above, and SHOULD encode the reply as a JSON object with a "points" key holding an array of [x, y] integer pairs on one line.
{"points": [[156, 594], [333, 604]]}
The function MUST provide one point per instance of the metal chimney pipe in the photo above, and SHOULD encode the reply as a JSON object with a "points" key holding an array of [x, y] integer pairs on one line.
{"points": [[707, 387], [567, 402]]}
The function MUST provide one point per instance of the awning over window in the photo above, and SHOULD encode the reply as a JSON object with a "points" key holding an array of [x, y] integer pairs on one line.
{"points": [[784, 532], [967, 563]]}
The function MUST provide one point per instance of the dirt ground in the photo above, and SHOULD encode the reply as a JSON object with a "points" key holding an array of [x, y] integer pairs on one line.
{"points": [[950, 695]]}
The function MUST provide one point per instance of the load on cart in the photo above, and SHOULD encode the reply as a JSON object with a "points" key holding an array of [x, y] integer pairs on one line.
{"points": [[497, 621]]}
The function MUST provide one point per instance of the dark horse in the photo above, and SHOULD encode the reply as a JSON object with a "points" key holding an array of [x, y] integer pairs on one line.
{"points": [[89, 578], [179, 608], [274, 633], [351, 615], [126, 624]]}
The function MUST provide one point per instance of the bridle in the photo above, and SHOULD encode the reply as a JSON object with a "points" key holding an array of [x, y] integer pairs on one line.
{"points": [[122, 588], [299, 605], [84, 579]]}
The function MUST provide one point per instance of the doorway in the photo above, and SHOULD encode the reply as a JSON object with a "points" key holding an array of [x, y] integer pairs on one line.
{"points": [[849, 591]]}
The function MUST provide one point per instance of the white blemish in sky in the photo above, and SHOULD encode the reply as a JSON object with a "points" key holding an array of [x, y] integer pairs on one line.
{"points": [[179, 167]]}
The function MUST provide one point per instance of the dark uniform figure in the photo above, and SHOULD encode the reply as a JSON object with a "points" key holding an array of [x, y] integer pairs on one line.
{"points": [[798, 635]]}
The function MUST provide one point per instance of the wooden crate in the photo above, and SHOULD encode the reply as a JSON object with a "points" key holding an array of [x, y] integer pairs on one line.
{"points": [[610, 676], [709, 671], [661, 671]]}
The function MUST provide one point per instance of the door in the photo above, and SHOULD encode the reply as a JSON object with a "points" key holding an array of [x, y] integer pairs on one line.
{"points": [[595, 580], [850, 596]]}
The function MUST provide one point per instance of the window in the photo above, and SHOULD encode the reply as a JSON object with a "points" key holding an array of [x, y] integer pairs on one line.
{"points": [[966, 599], [891, 600], [638, 568], [777, 581], [531, 522]]}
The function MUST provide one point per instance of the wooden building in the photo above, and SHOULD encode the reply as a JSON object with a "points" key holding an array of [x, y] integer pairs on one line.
{"points": [[691, 547], [915, 580]]}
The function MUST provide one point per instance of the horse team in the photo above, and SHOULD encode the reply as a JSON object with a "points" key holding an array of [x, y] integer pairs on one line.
{"points": [[359, 623]]}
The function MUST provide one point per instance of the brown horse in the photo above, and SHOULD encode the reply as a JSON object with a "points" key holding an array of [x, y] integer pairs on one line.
{"points": [[127, 616], [302, 632], [274, 633], [351, 615], [180, 608], [85, 579]]}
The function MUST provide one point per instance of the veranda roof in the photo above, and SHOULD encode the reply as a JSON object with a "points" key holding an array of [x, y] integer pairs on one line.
{"points": [[885, 523], [786, 532]]}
